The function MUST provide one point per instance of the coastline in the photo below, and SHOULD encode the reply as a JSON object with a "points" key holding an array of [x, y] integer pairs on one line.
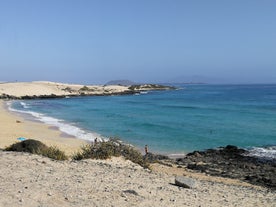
{"points": [[70, 144], [115, 181], [47, 89], [13, 126]]}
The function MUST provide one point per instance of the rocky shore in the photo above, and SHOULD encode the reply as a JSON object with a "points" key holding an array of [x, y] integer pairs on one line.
{"points": [[232, 162]]}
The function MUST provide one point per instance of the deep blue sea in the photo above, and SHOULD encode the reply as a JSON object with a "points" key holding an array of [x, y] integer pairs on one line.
{"points": [[194, 117]]}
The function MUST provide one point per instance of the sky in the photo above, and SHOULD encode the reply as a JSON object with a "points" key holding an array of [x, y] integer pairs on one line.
{"points": [[95, 41]]}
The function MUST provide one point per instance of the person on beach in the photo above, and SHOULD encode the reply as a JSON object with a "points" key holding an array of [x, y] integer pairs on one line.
{"points": [[95, 141], [146, 149]]}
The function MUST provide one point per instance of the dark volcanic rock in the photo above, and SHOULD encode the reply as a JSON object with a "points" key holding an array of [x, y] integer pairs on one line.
{"points": [[232, 162], [6, 96], [150, 157]]}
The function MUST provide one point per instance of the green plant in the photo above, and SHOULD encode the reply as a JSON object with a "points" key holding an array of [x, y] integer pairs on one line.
{"points": [[68, 89], [84, 88], [113, 147], [84, 153], [29, 145], [134, 155], [37, 147], [54, 153], [134, 87]]}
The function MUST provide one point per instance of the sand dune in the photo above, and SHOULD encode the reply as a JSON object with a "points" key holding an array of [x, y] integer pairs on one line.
{"points": [[45, 88]]}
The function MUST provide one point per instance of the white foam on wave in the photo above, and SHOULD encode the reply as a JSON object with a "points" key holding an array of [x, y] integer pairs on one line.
{"points": [[25, 106], [263, 152], [64, 127], [175, 156]]}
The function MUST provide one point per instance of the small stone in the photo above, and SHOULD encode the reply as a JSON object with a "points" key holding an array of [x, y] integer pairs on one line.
{"points": [[123, 195], [131, 192]]}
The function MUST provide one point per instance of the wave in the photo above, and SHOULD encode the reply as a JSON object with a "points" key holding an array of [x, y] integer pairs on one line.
{"points": [[263, 152], [24, 105], [63, 126], [180, 107]]}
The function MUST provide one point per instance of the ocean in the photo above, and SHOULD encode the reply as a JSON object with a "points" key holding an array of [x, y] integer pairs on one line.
{"points": [[194, 117]]}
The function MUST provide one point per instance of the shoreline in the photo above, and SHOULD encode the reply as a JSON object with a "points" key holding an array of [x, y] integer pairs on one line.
{"points": [[13, 126], [31, 118], [196, 163], [258, 151], [42, 181]]}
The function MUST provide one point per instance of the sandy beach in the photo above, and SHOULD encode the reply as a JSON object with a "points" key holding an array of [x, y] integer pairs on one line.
{"points": [[32, 180], [13, 126], [137, 103]]}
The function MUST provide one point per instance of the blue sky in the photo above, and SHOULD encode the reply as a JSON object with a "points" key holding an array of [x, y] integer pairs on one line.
{"points": [[94, 41]]}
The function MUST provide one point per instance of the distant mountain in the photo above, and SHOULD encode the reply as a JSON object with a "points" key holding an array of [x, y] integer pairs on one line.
{"points": [[121, 82]]}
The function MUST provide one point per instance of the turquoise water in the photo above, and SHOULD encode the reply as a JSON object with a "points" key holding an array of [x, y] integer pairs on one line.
{"points": [[195, 117]]}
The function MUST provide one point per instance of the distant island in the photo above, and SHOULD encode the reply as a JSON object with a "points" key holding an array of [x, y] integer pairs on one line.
{"points": [[46, 89]]}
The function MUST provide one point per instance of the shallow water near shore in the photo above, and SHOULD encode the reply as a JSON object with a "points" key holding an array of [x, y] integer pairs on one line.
{"points": [[195, 117]]}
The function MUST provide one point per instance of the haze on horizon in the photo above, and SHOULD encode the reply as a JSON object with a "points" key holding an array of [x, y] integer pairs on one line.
{"points": [[94, 41]]}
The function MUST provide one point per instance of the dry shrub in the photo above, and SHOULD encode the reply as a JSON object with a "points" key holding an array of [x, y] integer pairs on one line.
{"points": [[113, 147], [37, 147]]}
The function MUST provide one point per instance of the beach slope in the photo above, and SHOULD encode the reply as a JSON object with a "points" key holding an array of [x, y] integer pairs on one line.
{"points": [[32, 180]]}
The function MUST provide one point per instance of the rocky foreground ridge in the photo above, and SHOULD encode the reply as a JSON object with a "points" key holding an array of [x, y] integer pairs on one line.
{"points": [[232, 162], [43, 89]]}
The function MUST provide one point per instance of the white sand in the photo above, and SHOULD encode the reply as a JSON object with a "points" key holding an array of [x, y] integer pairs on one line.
{"points": [[31, 180], [39, 88], [10, 130]]}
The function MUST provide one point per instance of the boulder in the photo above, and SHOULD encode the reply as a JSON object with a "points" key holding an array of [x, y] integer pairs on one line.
{"points": [[185, 182]]}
